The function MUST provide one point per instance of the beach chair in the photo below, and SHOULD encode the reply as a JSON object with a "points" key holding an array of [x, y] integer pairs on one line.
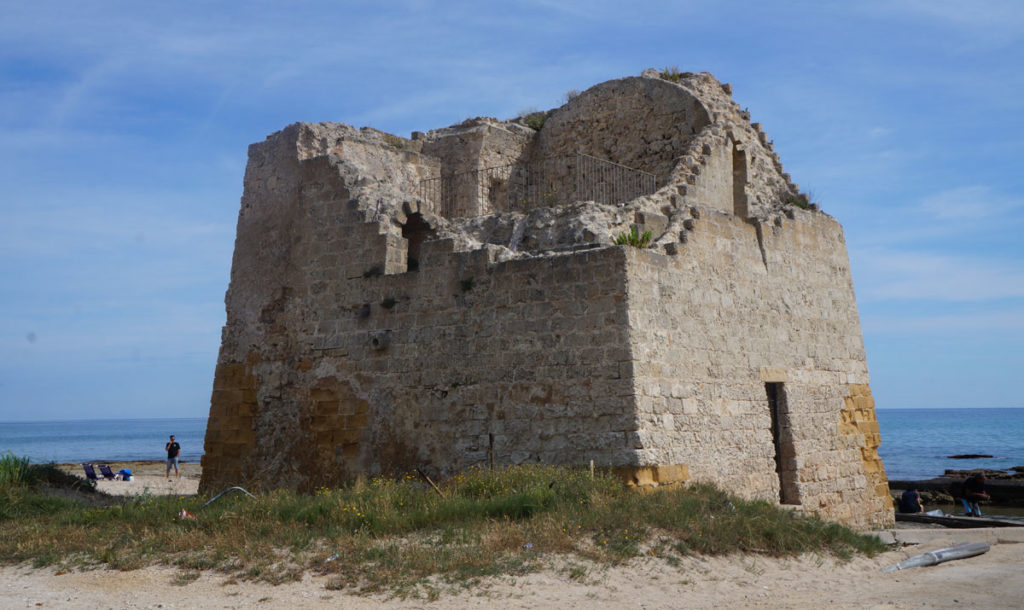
{"points": [[107, 473], [90, 472]]}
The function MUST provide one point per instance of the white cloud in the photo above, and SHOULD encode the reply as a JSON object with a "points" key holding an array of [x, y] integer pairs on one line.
{"points": [[969, 202], [71, 226], [983, 321], [888, 274], [986, 22]]}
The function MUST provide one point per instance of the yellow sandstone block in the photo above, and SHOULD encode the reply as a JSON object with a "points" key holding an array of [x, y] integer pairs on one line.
{"points": [[322, 394], [326, 406], [232, 376], [672, 474], [868, 427], [246, 409], [652, 476], [859, 389], [864, 402], [773, 375], [345, 436]]}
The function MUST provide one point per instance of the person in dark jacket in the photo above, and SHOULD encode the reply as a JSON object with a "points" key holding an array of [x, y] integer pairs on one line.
{"points": [[910, 502], [974, 492], [173, 449]]}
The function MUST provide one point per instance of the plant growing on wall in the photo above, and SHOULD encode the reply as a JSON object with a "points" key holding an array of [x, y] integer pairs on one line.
{"points": [[535, 120], [800, 200], [673, 75], [634, 238], [393, 140], [532, 118]]}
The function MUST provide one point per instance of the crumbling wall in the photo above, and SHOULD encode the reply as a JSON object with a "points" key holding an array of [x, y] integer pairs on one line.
{"points": [[642, 123], [474, 145], [346, 368]]}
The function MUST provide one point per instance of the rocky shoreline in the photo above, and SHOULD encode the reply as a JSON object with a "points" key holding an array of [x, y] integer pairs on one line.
{"points": [[1005, 487]]}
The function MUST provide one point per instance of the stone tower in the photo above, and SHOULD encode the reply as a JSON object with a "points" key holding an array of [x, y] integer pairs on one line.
{"points": [[456, 299]]}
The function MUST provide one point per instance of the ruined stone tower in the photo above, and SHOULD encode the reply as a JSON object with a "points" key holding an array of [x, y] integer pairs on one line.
{"points": [[456, 299]]}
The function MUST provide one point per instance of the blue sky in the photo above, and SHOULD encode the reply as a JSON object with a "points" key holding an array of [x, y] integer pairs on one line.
{"points": [[124, 127]]}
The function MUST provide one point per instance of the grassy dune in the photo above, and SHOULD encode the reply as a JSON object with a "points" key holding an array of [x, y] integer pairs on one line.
{"points": [[398, 534]]}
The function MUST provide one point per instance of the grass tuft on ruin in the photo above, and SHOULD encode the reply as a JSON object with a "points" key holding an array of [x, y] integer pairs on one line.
{"points": [[634, 238], [400, 536], [800, 200], [533, 118], [673, 75]]}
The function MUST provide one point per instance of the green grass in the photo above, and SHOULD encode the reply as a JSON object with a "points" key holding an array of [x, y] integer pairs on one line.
{"points": [[20, 482], [634, 238], [800, 200], [673, 75], [15, 471], [533, 118], [399, 536]]}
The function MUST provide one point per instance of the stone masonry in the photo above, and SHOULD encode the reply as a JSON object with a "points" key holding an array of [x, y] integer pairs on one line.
{"points": [[369, 333]]}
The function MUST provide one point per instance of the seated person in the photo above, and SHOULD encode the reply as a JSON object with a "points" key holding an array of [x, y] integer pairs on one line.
{"points": [[910, 502], [974, 492]]}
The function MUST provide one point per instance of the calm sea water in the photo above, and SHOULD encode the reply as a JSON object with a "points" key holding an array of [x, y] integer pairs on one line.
{"points": [[915, 442], [102, 440]]}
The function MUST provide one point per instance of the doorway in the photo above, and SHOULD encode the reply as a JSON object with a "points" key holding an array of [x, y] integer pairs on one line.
{"points": [[415, 231], [782, 438]]}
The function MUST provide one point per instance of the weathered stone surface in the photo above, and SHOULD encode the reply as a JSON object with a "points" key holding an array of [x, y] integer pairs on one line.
{"points": [[367, 332]]}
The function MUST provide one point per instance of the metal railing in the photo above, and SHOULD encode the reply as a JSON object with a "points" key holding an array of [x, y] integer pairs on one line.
{"points": [[522, 187]]}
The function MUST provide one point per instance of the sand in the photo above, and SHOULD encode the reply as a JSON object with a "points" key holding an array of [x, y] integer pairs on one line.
{"points": [[992, 580], [147, 477]]}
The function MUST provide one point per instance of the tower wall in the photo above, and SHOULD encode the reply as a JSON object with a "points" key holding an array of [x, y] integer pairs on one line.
{"points": [[743, 305], [366, 334]]}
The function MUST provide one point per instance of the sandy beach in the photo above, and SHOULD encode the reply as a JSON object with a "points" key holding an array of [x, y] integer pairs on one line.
{"points": [[992, 580], [148, 477]]}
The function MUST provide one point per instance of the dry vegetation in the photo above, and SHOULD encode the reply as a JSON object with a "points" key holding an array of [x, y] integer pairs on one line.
{"points": [[399, 535]]}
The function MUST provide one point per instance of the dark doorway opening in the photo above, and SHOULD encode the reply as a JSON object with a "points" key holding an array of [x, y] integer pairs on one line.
{"points": [[782, 438], [415, 231], [739, 183]]}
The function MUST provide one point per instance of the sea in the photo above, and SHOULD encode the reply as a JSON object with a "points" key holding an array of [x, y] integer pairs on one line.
{"points": [[916, 443], [102, 440]]}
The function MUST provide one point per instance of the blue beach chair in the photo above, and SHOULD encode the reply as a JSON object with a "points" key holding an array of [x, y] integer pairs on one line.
{"points": [[90, 472], [107, 473]]}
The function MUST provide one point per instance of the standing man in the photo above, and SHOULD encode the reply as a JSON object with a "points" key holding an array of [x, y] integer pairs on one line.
{"points": [[173, 449]]}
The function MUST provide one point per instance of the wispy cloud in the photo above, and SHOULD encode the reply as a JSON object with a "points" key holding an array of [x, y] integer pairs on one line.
{"points": [[975, 202], [112, 221], [977, 321], [889, 274], [989, 23]]}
